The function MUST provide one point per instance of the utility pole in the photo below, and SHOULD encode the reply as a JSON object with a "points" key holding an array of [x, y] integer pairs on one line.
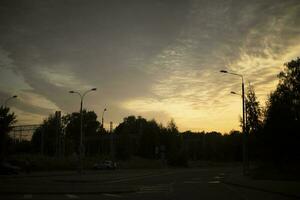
{"points": [[42, 141], [81, 145], [245, 138], [58, 133], [112, 150]]}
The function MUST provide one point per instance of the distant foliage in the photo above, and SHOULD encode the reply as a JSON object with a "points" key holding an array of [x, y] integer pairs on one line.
{"points": [[254, 124], [91, 127], [7, 119], [253, 112], [274, 132], [45, 137], [57, 136]]}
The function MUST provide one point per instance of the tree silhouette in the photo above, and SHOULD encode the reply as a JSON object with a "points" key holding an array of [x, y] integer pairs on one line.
{"points": [[91, 127], [281, 126], [253, 112], [254, 123], [47, 135], [7, 119]]}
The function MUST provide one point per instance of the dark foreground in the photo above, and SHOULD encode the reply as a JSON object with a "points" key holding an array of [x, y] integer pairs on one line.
{"points": [[209, 183]]}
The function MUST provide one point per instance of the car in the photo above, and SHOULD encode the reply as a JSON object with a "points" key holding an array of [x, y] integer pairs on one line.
{"points": [[106, 164]]}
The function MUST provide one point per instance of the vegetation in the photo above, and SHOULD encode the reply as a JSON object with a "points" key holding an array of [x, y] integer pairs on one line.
{"points": [[281, 134], [273, 133], [7, 119]]}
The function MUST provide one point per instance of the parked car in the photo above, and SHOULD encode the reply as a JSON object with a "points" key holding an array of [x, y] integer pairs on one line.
{"points": [[106, 164]]}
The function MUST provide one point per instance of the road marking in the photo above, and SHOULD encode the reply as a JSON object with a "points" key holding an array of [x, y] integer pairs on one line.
{"points": [[140, 177], [112, 195], [72, 196], [214, 182], [27, 196]]}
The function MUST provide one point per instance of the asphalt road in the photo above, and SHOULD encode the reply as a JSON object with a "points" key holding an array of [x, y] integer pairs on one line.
{"points": [[130, 184]]}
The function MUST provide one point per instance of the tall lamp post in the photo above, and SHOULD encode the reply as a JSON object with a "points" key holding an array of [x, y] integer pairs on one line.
{"points": [[103, 117], [245, 156], [8, 99], [81, 146], [246, 120]]}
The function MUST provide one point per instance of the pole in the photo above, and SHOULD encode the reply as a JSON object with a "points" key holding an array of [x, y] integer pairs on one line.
{"points": [[42, 141], [81, 138], [102, 121], [245, 153], [81, 145], [103, 118], [112, 142], [245, 159]]}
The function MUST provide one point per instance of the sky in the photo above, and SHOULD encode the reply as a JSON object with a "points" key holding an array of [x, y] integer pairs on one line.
{"points": [[156, 58]]}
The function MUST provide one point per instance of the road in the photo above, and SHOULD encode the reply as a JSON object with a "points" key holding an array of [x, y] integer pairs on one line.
{"points": [[130, 184]]}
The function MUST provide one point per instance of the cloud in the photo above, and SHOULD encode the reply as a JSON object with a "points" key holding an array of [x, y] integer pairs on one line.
{"points": [[156, 58]]}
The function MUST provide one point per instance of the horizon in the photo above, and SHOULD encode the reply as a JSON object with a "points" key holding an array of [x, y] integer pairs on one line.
{"points": [[159, 59]]}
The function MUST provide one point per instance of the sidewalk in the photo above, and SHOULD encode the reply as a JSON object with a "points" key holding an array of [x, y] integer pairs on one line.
{"points": [[284, 188]]}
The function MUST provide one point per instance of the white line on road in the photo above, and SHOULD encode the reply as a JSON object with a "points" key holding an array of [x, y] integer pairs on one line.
{"points": [[140, 177], [72, 196], [27, 196], [112, 195], [214, 182]]}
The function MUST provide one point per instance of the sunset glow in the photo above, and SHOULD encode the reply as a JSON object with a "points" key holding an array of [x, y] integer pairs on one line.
{"points": [[158, 59]]}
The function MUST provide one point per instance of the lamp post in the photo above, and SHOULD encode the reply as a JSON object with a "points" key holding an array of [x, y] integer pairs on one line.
{"points": [[245, 156], [81, 146], [103, 117], [232, 92], [246, 119], [8, 99]]}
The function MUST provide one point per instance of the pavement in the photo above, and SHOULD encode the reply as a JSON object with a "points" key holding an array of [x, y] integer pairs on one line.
{"points": [[283, 188], [196, 183]]}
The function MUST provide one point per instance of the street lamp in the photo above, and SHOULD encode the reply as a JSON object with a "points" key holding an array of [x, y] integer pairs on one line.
{"points": [[81, 146], [232, 92], [246, 119], [245, 156], [103, 116], [8, 99]]}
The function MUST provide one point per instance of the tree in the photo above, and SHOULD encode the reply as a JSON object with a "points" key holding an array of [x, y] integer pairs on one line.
{"points": [[149, 139], [253, 123], [7, 119], [130, 132], [253, 112], [281, 124], [47, 136], [90, 129]]}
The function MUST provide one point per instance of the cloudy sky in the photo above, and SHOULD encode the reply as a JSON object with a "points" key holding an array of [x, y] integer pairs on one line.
{"points": [[155, 58]]}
